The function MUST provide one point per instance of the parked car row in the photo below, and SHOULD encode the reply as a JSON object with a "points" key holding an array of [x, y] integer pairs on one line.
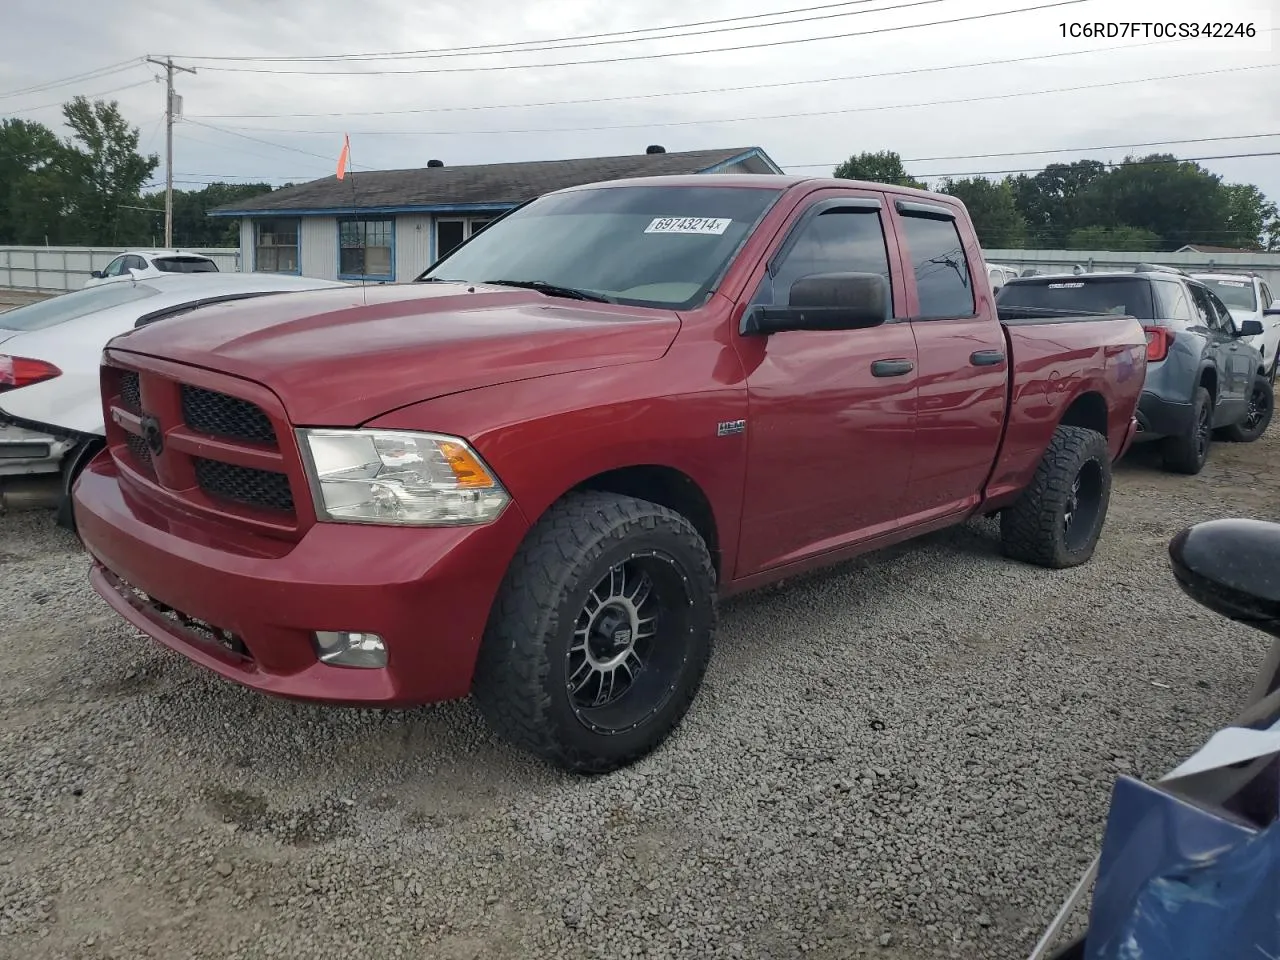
{"points": [[528, 475], [1211, 368]]}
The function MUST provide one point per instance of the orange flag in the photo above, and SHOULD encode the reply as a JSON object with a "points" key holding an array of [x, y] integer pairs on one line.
{"points": [[344, 157]]}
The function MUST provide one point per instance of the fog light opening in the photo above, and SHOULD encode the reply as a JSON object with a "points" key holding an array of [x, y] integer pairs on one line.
{"points": [[345, 648]]}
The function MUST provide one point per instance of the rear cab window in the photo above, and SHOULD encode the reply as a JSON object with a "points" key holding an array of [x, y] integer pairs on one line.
{"points": [[1118, 296], [185, 265]]}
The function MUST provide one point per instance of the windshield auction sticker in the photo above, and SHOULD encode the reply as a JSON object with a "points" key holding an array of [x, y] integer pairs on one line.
{"points": [[714, 226]]}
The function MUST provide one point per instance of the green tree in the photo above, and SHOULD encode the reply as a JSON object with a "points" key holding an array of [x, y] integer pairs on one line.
{"points": [[1112, 238], [1252, 219], [1048, 199], [32, 184], [992, 208], [192, 227], [105, 173], [1178, 201], [882, 167]]}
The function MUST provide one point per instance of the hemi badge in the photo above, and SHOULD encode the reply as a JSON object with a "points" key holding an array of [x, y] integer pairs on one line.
{"points": [[729, 427]]}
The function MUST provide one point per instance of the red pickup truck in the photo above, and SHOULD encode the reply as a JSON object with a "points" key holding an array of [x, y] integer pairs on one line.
{"points": [[527, 475]]}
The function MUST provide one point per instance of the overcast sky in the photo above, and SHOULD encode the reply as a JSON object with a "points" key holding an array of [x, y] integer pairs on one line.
{"points": [[47, 41]]}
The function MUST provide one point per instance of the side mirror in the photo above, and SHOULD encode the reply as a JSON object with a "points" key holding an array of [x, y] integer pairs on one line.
{"points": [[1249, 328], [1232, 567], [96, 274], [825, 301]]}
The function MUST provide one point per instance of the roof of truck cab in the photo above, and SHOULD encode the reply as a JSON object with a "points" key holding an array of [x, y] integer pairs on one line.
{"points": [[770, 181]]}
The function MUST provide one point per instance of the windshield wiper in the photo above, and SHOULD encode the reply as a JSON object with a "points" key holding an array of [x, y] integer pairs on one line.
{"points": [[552, 290]]}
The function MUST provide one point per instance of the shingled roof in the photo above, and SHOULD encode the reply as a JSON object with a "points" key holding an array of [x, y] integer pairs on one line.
{"points": [[488, 183]]}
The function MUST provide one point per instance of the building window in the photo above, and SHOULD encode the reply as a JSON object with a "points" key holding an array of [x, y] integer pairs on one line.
{"points": [[275, 246], [366, 249], [451, 232]]}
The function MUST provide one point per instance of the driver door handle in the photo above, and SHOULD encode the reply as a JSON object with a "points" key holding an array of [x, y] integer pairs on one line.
{"points": [[986, 358], [891, 368]]}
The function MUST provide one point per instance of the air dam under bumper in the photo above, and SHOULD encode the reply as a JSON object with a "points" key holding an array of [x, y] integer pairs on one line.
{"points": [[426, 592]]}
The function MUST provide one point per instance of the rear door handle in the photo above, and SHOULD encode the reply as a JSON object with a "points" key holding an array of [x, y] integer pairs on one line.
{"points": [[986, 358], [891, 368]]}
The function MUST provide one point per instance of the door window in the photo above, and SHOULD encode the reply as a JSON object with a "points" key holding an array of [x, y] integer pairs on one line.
{"points": [[840, 240], [134, 263], [943, 280], [1222, 320], [1174, 304], [1205, 315], [114, 268]]}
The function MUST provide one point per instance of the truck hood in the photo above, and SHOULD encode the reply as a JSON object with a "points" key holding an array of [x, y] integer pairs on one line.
{"points": [[342, 357]]}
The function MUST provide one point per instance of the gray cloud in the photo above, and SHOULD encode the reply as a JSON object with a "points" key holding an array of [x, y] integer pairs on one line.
{"points": [[55, 40]]}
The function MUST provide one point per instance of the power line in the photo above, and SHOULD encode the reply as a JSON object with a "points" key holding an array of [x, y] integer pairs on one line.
{"points": [[97, 74], [835, 111], [1032, 153], [690, 93], [90, 96], [590, 40], [805, 166], [280, 146], [655, 56], [1123, 163]]}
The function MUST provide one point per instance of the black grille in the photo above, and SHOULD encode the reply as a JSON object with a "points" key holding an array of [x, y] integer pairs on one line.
{"points": [[129, 391], [138, 447], [258, 488], [222, 416]]}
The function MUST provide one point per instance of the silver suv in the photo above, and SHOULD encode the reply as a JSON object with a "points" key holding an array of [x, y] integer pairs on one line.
{"points": [[1203, 375]]}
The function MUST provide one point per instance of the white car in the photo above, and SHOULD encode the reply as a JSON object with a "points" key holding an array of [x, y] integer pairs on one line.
{"points": [[999, 274], [138, 264], [1248, 297], [50, 407]]}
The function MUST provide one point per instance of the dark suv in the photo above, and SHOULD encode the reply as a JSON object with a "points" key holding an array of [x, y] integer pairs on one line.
{"points": [[1202, 373]]}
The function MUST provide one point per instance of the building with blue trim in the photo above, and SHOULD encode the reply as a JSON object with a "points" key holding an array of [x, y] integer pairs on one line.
{"points": [[389, 225]]}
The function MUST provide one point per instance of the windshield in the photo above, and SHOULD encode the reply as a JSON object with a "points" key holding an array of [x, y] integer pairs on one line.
{"points": [[69, 306], [647, 246], [1236, 294], [1116, 295]]}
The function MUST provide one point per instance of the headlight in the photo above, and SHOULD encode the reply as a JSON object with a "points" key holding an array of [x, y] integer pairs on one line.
{"points": [[388, 476]]}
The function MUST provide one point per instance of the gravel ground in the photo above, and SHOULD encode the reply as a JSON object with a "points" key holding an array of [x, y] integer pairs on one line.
{"points": [[909, 756]]}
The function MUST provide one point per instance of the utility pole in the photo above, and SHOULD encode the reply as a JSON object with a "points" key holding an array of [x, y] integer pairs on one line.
{"points": [[172, 106]]}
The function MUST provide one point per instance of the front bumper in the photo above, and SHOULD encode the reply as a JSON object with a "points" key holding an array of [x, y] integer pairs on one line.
{"points": [[25, 451], [426, 592]]}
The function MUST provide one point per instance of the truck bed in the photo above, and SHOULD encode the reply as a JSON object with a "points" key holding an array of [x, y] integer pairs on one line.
{"points": [[1062, 360]]}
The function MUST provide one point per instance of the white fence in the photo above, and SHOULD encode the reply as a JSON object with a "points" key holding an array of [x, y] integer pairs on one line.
{"points": [[1266, 265], [59, 269]]}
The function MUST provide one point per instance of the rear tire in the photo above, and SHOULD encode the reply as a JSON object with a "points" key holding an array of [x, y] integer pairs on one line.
{"points": [[1187, 453], [1057, 520], [1262, 404], [607, 593]]}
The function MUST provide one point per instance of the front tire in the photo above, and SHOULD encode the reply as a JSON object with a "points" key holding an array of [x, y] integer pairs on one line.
{"points": [[1262, 403], [601, 633], [1057, 520], [1187, 453]]}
